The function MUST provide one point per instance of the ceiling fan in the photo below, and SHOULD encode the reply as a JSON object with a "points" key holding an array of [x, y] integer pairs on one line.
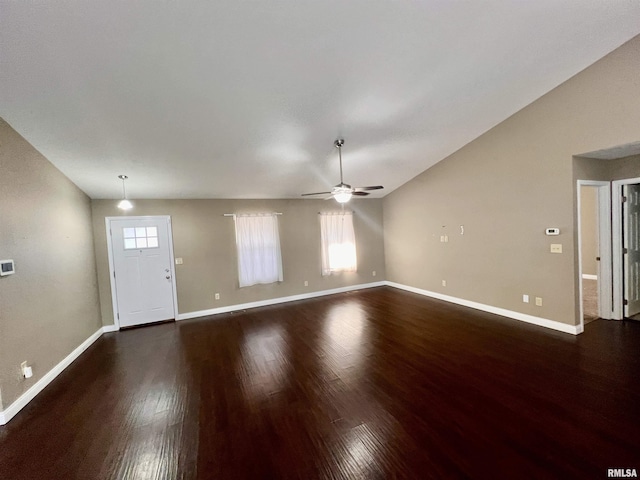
{"points": [[343, 192]]}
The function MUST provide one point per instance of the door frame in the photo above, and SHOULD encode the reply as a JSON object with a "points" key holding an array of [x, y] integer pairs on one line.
{"points": [[605, 283], [618, 256], [114, 295]]}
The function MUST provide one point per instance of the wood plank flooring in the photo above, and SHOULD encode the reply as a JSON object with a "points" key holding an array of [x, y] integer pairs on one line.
{"points": [[374, 384]]}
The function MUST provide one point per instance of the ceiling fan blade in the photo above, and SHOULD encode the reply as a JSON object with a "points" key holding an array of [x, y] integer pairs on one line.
{"points": [[317, 193], [360, 194], [362, 189]]}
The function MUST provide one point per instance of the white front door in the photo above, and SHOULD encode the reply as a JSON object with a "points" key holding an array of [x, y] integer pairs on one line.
{"points": [[141, 253], [631, 243]]}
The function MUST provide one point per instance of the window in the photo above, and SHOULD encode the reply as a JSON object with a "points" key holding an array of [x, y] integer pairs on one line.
{"points": [[140, 237], [258, 244], [338, 243]]}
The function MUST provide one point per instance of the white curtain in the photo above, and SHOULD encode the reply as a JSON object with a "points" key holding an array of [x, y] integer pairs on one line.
{"points": [[338, 243], [258, 244]]}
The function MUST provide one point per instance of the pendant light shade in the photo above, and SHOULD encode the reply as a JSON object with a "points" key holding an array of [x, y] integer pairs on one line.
{"points": [[124, 204]]}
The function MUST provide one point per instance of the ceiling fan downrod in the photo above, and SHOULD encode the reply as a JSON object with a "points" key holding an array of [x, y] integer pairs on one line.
{"points": [[339, 143]]}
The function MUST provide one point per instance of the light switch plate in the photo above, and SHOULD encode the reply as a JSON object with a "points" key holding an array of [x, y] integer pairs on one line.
{"points": [[556, 248], [179, 261]]}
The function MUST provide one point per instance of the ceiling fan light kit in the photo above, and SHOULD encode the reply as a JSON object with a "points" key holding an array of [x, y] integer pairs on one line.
{"points": [[342, 197], [343, 192]]}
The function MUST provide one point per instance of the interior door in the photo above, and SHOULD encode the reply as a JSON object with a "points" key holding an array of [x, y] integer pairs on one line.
{"points": [[631, 243], [142, 267]]}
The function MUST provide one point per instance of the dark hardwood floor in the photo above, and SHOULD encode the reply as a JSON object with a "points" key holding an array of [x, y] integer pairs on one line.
{"points": [[374, 384]]}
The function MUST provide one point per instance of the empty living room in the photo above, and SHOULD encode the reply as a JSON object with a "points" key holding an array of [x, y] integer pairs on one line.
{"points": [[319, 240]]}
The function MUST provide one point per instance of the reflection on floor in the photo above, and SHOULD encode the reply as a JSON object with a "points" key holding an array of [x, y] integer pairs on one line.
{"points": [[590, 300]]}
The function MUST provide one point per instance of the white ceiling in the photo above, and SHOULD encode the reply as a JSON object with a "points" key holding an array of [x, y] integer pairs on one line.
{"points": [[243, 99]]}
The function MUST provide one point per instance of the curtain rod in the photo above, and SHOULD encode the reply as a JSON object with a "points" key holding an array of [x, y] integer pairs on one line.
{"points": [[234, 214]]}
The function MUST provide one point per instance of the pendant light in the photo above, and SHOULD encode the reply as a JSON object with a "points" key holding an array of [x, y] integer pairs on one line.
{"points": [[124, 203]]}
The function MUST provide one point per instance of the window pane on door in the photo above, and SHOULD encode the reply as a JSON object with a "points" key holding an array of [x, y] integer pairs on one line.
{"points": [[140, 237]]}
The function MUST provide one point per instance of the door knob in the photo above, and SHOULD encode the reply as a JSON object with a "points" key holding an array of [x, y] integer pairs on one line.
{"points": [[168, 277]]}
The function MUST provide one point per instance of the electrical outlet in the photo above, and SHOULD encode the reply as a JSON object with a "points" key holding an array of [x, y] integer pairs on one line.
{"points": [[525, 298], [217, 296], [556, 248], [306, 283], [444, 283], [538, 301], [27, 371], [373, 273]]}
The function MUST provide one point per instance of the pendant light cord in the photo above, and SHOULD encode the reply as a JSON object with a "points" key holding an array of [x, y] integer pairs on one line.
{"points": [[124, 190]]}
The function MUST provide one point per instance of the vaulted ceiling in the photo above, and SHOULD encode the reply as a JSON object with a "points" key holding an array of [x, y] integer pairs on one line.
{"points": [[243, 99]]}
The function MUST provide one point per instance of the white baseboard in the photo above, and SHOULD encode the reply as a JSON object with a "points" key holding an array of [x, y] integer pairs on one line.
{"points": [[523, 317], [588, 276], [11, 411], [110, 328], [275, 301]]}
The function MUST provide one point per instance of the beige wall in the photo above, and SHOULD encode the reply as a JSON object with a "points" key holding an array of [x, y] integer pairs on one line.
{"points": [[506, 187], [205, 240], [607, 170], [623, 168], [50, 305], [589, 231]]}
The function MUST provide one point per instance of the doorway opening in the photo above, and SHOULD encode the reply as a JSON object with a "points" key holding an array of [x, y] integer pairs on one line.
{"points": [[594, 250]]}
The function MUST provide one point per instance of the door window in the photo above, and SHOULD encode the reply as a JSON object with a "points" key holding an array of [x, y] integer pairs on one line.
{"points": [[140, 237]]}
